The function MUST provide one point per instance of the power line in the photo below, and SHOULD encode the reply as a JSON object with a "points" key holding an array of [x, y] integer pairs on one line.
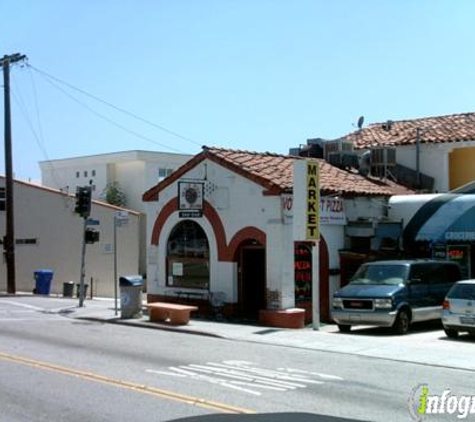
{"points": [[107, 119], [120, 109], [38, 138]]}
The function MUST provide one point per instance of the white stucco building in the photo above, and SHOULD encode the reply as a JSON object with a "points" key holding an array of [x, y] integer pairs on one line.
{"points": [[132, 171], [48, 235], [224, 222]]}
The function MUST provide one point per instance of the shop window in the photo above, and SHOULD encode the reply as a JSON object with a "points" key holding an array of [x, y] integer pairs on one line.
{"points": [[188, 256]]}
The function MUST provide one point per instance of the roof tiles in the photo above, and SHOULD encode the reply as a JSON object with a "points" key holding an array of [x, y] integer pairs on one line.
{"points": [[439, 129], [276, 173]]}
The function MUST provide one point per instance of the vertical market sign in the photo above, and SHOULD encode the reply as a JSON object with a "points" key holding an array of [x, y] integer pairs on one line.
{"points": [[313, 202]]}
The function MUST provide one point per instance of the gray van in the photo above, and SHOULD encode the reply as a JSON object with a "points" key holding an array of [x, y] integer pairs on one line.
{"points": [[394, 293]]}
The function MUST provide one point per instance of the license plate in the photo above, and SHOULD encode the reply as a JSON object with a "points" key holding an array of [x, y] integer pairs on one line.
{"points": [[467, 320]]}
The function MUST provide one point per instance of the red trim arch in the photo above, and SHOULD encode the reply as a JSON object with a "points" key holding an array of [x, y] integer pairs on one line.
{"points": [[245, 233], [211, 215]]}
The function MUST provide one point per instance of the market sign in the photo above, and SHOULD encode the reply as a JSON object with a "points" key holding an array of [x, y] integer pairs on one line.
{"points": [[313, 202]]}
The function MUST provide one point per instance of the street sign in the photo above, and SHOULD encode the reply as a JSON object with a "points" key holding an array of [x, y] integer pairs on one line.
{"points": [[92, 222]]}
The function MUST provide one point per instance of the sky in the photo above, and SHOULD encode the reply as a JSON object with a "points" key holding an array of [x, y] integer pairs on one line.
{"points": [[260, 75]]}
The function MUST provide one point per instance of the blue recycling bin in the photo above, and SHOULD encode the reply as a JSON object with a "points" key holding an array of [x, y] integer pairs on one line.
{"points": [[43, 281]]}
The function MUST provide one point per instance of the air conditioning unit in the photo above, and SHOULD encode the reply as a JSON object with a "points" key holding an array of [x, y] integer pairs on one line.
{"points": [[348, 159], [330, 147], [383, 157], [382, 161]]}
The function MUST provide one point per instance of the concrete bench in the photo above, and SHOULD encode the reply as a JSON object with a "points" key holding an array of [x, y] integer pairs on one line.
{"points": [[177, 314], [283, 318]]}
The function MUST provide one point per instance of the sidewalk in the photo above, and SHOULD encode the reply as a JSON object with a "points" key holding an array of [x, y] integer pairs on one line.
{"points": [[422, 346]]}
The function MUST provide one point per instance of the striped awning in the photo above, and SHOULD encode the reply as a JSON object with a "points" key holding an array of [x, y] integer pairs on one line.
{"points": [[444, 217]]}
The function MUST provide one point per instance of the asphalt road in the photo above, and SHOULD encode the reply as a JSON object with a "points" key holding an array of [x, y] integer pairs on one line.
{"points": [[55, 368]]}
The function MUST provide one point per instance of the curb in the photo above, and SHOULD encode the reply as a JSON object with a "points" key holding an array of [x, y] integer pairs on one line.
{"points": [[140, 324]]}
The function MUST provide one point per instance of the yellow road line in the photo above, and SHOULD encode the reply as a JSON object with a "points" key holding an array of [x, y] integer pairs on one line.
{"points": [[157, 392]]}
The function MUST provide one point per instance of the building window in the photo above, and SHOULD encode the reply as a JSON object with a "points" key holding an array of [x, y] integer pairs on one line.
{"points": [[2, 199], [85, 174], [188, 256], [77, 175], [30, 241], [163, 173], [93, 173], [27, 241]]}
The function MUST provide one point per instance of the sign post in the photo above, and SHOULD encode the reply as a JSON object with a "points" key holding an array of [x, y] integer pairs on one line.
{"points": [[120, 218], [313, 234], [307, 221]]}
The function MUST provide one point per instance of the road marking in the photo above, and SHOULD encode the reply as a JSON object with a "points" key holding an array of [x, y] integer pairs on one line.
{"points": [[23, 305], [12, 319], [139, 388], [247, 377]]}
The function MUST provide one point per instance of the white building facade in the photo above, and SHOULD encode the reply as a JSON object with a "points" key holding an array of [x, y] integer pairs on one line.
{"points": [[48, 235], [132, 171]]}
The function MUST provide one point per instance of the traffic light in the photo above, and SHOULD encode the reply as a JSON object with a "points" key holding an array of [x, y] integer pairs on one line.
{"points": [[83, 201], [91, 236]]}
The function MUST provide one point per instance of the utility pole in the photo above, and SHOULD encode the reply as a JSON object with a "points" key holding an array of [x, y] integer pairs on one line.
{"points": [[9, 239]]}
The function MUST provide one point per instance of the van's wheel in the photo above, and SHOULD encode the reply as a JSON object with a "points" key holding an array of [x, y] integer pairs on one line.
{"points": [[451, 333], [344, 328], [401, 325]]}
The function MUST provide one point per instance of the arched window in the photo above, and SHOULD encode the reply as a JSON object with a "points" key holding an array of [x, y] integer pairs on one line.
{"points": [[188, 256]]}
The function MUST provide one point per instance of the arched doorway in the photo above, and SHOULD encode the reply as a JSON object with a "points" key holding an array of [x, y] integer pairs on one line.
{"points": [[251, 259], [188, 256]]}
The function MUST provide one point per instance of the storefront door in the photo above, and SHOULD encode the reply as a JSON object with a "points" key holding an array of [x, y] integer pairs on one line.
{"points": [[252, 280]]}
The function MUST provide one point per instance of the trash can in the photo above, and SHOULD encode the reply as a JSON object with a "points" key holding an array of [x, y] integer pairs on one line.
{"points": [[43, 281], [68, 289], [78, 286], [131, 296]]}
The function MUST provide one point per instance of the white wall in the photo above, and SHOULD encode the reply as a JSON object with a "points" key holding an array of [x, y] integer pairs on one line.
{"points": [[235, 198], [49, 217], [434, 160], [65, 178], [136, 172]]}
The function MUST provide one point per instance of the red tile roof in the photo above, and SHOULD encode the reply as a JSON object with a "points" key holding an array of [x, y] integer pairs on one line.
{"points": [[276, 173], [439, 129]]}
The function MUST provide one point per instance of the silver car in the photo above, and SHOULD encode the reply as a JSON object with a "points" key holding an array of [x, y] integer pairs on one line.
{"points": [[459, 309]]}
